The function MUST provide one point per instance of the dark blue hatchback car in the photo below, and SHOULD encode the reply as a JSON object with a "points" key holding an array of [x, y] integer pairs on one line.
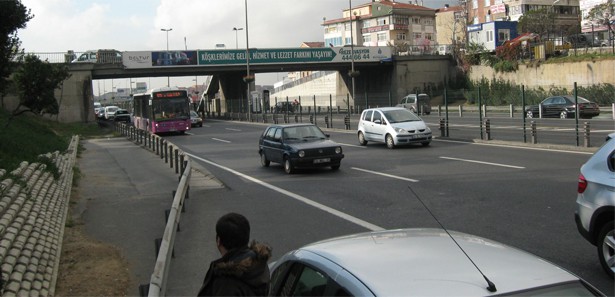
{"points": [[298, 146]]}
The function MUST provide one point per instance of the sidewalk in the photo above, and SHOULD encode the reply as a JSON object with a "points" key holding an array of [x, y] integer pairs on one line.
{"points": [[125, 190]]}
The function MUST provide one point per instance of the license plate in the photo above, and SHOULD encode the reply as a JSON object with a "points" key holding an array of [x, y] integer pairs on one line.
{"points": [[324, 160]]}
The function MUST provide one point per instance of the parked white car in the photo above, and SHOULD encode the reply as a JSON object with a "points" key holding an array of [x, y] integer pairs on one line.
{"points": [[394, 126], [595, 213]]}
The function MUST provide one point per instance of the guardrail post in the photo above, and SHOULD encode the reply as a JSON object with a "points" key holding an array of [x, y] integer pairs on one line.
{"points": [[311, 119], [587, 134], [540, 111], [461, 111], [156, 145], [176, 161], [183, 164], [439, 110], [347, 122], [442, 128], [484, 108], [171, 149], [488, 128], [534, 134], [512, 111], [162, 147], [327, 121]]}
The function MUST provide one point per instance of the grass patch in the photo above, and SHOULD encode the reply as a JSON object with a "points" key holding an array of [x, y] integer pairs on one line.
{"points": [[28, 136]]}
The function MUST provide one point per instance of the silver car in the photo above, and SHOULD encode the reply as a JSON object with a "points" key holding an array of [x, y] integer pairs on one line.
{"points": [[595, 213], [392, 125], [419, 262]]}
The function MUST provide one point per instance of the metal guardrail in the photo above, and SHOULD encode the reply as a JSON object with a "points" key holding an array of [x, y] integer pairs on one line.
{"points": [[176, 158]]}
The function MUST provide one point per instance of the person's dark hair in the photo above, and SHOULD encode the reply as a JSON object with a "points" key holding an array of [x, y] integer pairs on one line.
{"points": [[233, 230]]}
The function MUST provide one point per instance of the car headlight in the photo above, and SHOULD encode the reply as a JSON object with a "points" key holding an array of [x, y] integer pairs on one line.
{"points": [[338, 150], [301, 154], [400, 130]]}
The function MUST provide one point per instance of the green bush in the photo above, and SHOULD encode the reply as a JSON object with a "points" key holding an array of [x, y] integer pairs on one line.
{"points": [[27, 136]]}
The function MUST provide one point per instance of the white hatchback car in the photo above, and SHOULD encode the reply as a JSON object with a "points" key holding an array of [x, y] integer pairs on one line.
{"points": [[419, 262], [394, 126], [595, 215]]}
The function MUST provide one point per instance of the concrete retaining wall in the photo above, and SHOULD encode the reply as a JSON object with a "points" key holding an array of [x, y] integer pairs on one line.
{"points": [[584, 73], [33, 211]]}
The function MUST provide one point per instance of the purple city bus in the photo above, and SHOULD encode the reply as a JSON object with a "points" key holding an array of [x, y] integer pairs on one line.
{"points": [[162, 110]]}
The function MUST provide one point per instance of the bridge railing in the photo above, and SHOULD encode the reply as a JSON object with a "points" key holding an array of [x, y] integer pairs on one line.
{"points": [[69, 56]]}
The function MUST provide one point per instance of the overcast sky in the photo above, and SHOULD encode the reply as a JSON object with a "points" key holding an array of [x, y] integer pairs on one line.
{"points": [[133, 25]]}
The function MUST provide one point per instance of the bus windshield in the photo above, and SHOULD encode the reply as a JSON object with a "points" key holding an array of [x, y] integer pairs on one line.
{"points": [[170, 109]]}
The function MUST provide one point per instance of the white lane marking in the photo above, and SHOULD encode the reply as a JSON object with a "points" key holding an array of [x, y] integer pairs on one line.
{"points": [[384, 174], [221, 140], [481, 162], [352, 145], [233, 129], [515, 147], [300, 198]]}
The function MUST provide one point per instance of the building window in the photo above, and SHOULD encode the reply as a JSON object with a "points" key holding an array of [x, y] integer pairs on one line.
{"points": [[367, 38], [429, 36], [401, 36], [503, 35], [346, 40], [417, 36], [347, 27], [416, 20], [475, 20], [400, 21], [475, 4], [366, 24], [487, 18], [487, 3], [489, 36], [382, 21], [382, 36]]}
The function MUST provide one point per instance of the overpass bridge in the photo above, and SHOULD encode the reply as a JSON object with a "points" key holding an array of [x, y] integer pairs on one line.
{"points": [[380, 73]]}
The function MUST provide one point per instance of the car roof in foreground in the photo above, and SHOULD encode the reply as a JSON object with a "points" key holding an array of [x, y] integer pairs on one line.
{"points": [[387, 108], [291, 125], [427, 262]]}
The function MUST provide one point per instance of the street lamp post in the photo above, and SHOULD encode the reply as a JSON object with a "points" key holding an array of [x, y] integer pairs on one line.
{"points": [[352, 72], [249, 79], [167, 30], [236, 39]]}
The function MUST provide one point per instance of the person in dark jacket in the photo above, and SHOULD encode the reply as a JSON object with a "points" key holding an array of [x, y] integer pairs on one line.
{"points": [[242, 270]]}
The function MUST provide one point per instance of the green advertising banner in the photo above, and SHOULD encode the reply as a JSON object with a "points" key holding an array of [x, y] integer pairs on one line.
{"points": [[293, 55]]}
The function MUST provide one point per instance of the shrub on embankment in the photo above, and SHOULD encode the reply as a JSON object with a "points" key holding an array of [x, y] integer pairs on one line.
{"points": [[28, 136]]}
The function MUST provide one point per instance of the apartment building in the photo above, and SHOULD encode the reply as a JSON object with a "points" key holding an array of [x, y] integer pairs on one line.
{"points": [[382, 23], [485, 11], [451, 27]]}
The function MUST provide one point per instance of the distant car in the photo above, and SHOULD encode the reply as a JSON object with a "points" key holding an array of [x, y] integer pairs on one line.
{"points": [[97, 107], [417, 103], [109, 112], [595, 212], [419, 262], [393, 126], [563, 107], [101, 56], [283, 107], [583, 40], [298, 146], [122, 115], [195, 119]]}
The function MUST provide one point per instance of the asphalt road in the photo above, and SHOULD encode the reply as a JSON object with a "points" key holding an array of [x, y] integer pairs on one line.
{"points": [[519, 196]]}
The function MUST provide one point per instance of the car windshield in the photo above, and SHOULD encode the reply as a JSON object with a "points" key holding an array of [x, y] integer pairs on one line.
{"points": [[303, 133], [121, 111], [400, 115]]}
